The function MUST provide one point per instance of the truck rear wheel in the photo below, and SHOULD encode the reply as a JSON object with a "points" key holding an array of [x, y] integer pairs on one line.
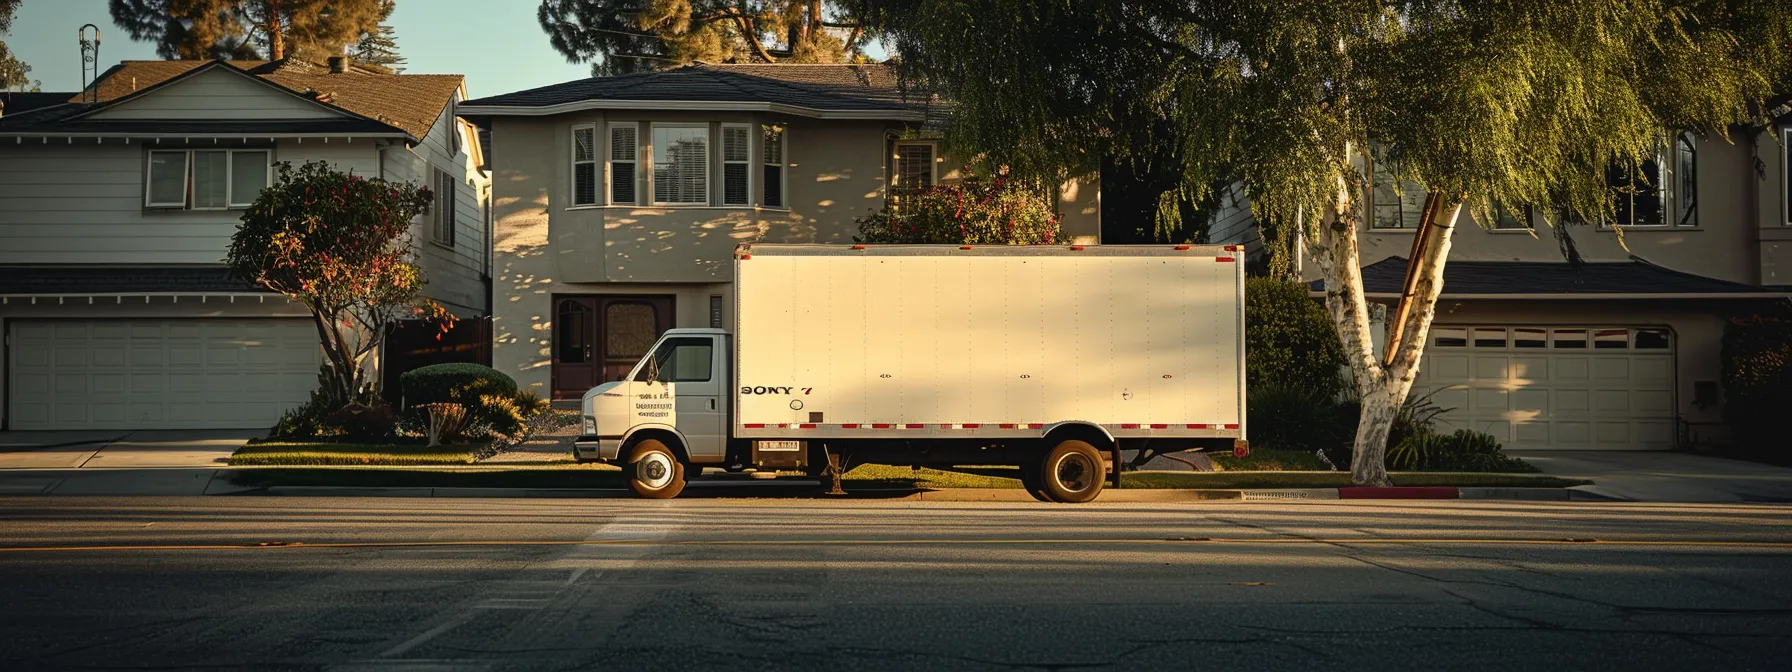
{"points": [[654, 471], [1072, 472]]}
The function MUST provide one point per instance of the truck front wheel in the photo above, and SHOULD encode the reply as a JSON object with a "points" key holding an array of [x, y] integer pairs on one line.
{"points": [[1072, 472], [654, 471]]}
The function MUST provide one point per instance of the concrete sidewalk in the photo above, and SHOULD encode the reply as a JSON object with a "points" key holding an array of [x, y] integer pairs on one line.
{"points": [[1662, 476], [157, 449]]}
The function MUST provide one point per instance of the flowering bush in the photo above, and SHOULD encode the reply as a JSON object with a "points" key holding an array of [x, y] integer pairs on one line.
{"points": [[337, 244], [974, 211]]}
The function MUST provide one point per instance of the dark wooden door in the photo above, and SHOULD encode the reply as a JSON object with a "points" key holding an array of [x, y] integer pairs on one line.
{"points": [[598, 339]]}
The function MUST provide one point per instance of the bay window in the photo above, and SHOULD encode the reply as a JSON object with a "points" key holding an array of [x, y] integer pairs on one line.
{"points": [[681, 164], [1661, 190], [206, 179], [584, 165], [736, 156], [625, 150]]}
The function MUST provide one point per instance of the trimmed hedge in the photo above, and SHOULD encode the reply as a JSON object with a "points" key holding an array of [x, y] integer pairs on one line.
{"points": [[1757, 379], [457, 383], [1289, 340]]}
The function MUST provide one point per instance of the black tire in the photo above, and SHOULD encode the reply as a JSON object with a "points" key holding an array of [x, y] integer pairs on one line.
{"points": [[1072, 472], [654, 471], [1029, 479], [692, 472]]}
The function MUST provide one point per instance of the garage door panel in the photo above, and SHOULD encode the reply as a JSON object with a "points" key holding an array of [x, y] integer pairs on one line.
{"points": [[1545, 388], [170, 374], [1568, 369]]}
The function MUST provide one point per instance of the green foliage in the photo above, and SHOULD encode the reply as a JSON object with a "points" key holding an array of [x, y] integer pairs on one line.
{"points": [[1288, 417], [621, 36], [456, 383], [1462, 450], [1269, 460], [1757, 380], [308, 29], [336, 243], [973, 211], [1288, 339], [378, 48]]}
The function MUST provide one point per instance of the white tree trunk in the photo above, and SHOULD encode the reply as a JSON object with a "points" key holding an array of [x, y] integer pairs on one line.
{"points": [[1383, 390]]}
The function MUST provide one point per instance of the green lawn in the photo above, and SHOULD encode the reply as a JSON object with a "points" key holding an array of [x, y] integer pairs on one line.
{"points": [[348, 454], [966, 477]]}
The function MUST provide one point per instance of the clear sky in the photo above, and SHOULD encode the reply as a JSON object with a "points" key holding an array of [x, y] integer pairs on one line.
{"points": [[496, 43]]}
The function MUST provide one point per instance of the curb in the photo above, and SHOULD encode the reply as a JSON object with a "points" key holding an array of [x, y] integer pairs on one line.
{"points": [[1135, 496]]}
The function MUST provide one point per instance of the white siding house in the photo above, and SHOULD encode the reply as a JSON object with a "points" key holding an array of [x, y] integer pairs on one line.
{"points": [[115, 217]]}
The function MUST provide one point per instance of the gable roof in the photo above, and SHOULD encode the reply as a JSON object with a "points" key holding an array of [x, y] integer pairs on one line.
{"points": [[1545, 279], [841, 91], [409, 103]]}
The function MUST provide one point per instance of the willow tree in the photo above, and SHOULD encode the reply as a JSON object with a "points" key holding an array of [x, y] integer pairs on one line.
{"points": [[620, 36], [1515, 102]]}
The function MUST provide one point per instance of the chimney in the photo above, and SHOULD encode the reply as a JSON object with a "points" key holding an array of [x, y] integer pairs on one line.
{"points": [[338, 65]]}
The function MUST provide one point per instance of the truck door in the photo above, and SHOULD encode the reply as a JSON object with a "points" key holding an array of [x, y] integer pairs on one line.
{"points": [[691, 365]]}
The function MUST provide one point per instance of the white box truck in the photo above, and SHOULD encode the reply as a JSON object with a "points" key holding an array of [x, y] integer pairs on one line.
{"points": [[1054, 359]]}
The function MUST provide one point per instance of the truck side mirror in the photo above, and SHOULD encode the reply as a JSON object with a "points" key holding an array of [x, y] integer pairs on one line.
{"points": [[653, 369]]}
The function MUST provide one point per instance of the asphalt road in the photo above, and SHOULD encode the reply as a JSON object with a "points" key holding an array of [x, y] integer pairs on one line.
{"points": [[744, 584]]}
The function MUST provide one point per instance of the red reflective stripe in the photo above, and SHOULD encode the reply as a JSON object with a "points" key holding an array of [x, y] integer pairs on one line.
{"points": [[1224, 259], [1232, 426], [1006, 425], [1129, 425], [807, 426], [850, 426], [1233, 248], [755, 425], [1034, 425], [1197, 426], [946, 425], [916, 426], [970, 425], [1156, 426], [880, 426], [1181, 247], [858, 247], [746, 257], [1076, 247]]}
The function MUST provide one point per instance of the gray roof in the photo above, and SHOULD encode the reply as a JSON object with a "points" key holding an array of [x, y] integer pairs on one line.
{"points": [[16, 102], [866, 88], [44, 280], [1544, 278]]}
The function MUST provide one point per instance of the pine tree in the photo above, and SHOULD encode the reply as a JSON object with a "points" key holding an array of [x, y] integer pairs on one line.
{"points": [[248, 29], [379, 48], [619, 36]]}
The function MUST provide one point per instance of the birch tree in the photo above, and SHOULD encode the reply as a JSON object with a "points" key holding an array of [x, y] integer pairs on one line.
{"points": [[1520, 103]]}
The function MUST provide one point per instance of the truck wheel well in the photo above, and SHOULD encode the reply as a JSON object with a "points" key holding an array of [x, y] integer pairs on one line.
{"points": [[1089, 434], [663, 436]]}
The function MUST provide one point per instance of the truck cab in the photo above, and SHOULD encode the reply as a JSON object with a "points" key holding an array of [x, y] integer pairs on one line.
{"points": [[676, 396]]}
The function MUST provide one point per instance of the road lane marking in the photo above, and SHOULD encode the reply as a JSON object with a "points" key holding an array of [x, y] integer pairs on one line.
{"points": [[299, 545]]}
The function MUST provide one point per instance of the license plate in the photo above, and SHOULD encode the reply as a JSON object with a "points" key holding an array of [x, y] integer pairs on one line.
{"points": [[779, 446]]}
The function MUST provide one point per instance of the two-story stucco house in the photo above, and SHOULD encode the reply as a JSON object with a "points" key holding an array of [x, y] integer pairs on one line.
{"points": [[619, 200], [117, 207], [1621, 352]]}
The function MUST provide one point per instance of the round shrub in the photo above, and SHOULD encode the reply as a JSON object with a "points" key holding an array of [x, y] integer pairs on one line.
{"points": [[1288, 338], [454, 384]]}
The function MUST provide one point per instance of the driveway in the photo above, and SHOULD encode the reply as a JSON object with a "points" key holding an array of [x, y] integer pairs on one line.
{"points": [[1660, 476], [100, 449]]}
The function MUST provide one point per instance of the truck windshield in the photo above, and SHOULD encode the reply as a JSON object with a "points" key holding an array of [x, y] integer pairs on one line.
{"points": [[680, 360]]}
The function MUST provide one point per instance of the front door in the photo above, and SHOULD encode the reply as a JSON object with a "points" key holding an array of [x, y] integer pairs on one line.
{"points": [[598, 339]]}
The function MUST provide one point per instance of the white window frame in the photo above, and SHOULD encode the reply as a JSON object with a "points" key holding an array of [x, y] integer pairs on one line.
{"points": [[1402, 189], [933, 165], [709, 150], [1667, 168], [1786, 176], [610, 161], [783, 165], [572, 173], [722, 152], [186, 202]]}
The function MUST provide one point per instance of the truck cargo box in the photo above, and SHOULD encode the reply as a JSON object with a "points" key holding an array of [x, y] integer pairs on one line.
{"points": [[941, 341]]}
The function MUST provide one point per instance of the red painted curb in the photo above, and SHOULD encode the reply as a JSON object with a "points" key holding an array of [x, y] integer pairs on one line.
{"points": [[1399, 493]]}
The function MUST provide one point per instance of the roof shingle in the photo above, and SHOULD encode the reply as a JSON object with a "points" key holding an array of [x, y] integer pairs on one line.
{"points": [[838, 87], [1388, 276]]}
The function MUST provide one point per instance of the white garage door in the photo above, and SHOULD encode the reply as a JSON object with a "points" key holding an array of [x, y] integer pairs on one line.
{"points": [[1568, 388], [159, 374]]}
